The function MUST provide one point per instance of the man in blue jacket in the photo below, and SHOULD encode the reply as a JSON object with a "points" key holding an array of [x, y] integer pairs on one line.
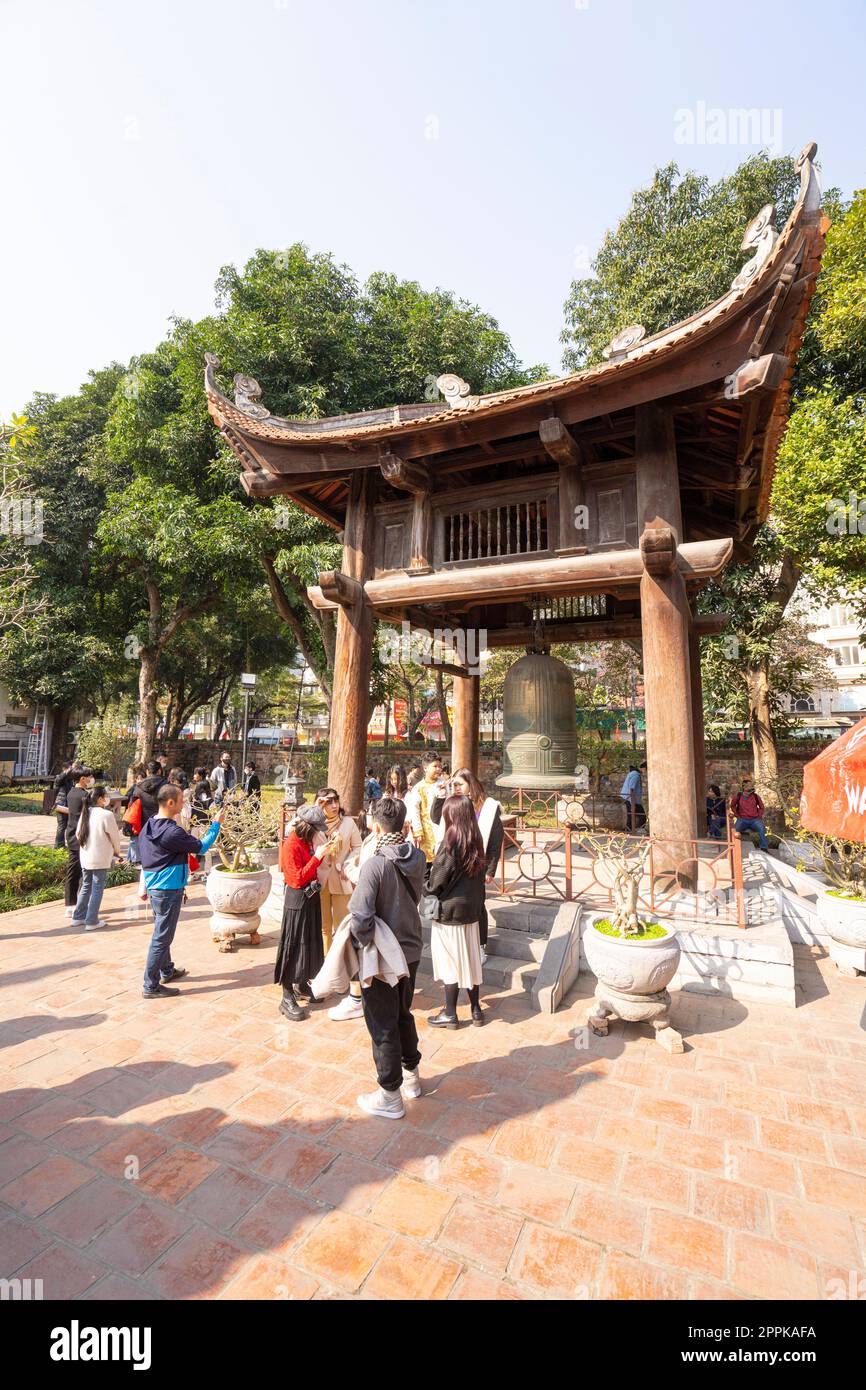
{"points": [[165, 848]]}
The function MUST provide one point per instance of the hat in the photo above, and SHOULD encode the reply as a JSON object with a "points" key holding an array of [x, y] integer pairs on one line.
{"points": [[312, 815]]}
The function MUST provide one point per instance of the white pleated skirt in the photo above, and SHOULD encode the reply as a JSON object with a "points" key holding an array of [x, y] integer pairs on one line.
{"points": [[456, 954]]}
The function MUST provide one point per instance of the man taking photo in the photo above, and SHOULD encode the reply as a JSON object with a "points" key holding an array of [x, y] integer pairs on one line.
{"points": [[165, 848]]}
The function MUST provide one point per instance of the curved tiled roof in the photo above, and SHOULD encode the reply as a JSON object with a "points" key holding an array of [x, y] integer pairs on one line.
{"points": [[253, 419]]}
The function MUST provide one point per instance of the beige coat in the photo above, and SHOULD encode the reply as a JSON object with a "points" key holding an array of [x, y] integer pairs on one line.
{"points": [[331, 873], [383, 959], [104, 840]]}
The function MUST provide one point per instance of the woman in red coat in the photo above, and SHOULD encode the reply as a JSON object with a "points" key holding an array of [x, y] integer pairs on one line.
{"points": [[300, 954]]}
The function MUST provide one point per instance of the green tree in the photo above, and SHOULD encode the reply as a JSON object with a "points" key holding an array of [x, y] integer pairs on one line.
{"points": [[819, 492], [68, 653], [676, 250]]}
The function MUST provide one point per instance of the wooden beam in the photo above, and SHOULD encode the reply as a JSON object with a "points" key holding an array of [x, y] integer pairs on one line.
{"points": [[560, 575]]}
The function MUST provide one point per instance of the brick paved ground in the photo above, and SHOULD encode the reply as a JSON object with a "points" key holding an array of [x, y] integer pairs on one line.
{"points": [[198, 1148]]}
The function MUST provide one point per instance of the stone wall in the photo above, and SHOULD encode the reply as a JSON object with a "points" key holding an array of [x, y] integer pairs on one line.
{"points": [[725, 765]]}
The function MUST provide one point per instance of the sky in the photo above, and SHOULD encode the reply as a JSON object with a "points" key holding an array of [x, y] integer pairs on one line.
{"points": [[483, 146]]}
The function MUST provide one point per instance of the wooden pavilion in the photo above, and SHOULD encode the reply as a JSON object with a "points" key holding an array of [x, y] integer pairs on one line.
{"points": [[605, 499]]}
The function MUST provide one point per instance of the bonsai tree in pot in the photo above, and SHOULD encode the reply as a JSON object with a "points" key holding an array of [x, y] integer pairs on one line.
{"points": [[842, 907], [238, 885], [633, 960]]}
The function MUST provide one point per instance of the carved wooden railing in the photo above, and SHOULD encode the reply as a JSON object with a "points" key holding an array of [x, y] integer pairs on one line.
{"points": [[497, 532]]}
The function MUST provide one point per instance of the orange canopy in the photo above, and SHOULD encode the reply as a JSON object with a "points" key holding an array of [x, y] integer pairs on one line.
{"points": [[834, 788]]}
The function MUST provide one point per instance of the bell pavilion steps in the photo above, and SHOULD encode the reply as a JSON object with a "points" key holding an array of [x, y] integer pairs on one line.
{"points": [[516, 942]]}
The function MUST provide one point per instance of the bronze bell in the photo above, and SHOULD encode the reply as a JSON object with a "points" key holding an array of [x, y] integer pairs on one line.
{"points": [[539, 725]]}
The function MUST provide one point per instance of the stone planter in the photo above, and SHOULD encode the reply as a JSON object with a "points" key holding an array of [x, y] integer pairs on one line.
{"points": [[845, 920], [632, 980], [236, 899]]}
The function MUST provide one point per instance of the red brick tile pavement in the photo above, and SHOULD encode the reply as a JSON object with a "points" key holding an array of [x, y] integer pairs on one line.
{"points": [[204, 1148]]}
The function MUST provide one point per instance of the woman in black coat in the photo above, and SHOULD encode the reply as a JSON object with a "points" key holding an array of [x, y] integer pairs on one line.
{"points": [[488, 813], [456, 879]]}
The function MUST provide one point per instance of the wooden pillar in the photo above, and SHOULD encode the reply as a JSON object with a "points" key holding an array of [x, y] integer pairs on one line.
{"points": [[665, 624], [697, 694], [465, 723], [353, 655]]}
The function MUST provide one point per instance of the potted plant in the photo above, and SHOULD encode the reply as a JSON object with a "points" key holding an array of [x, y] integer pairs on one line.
{"points": [[842, 905], [633, 957], [238, 885]]}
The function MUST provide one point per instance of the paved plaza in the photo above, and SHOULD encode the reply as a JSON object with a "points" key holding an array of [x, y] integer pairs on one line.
{"points": [[204, 1148]]}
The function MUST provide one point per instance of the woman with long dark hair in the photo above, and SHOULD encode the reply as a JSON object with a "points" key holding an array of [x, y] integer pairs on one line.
{"points": [[488, 813], [99, 841], [396, 784], [300, 954], [456, 879]]}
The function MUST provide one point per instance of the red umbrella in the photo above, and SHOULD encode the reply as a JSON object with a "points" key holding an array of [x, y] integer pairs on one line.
{"points": [[834, 788]]}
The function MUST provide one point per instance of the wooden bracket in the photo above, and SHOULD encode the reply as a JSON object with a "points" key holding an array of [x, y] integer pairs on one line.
{"points": [[340, 588], [559, 441], [410, 477], [758, 374], [658, 549]]}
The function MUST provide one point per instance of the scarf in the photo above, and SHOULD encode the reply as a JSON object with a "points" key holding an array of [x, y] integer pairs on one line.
{"points": [[390, 839]]}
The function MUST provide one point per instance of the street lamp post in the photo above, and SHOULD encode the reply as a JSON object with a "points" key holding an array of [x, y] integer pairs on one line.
{"points": [[248, 684]]}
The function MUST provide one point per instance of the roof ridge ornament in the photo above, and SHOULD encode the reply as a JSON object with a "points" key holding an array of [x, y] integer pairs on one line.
{"points": [[760, 236], [248, 394], [810, 184], [456, 391], [624, 341]]}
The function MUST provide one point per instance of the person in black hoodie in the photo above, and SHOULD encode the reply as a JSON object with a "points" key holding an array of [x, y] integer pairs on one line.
{"points": [[389, 887], [456, 880], [147, 791]]}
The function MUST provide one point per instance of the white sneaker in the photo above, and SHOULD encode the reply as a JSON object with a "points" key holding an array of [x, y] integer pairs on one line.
{"points": [[411, 1084], [387, 1104], [70, 911], [349, 1007], [94, 926]]}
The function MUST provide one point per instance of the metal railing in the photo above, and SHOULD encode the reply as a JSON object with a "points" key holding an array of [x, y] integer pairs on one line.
{"points": [[686, 879]]}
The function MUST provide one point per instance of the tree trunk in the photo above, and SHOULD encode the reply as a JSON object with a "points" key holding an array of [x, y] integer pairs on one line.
{"points": [[284, 608], [59, 737], [764, 752], [442, 706], [147, 690]]}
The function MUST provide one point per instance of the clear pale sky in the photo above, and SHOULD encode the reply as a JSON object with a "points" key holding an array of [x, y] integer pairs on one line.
{"points": [[483, 147]]}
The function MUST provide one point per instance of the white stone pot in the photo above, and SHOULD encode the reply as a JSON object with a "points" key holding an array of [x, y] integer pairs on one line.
{"points": [[632, 967], [241, 893], [236, 899], [844, 918]]}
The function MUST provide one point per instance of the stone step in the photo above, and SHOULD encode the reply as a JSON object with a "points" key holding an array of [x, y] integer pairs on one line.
{"points": [[501, 972], [519, 945], [523, 915]]}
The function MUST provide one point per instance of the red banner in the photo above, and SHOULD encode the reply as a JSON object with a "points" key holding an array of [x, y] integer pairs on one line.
{"points": [[834, 788]]}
